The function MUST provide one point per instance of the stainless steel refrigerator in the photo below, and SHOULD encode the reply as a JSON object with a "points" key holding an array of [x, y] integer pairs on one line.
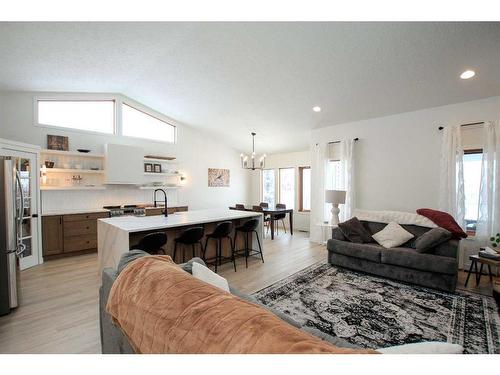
{"points": [[12, 211]]}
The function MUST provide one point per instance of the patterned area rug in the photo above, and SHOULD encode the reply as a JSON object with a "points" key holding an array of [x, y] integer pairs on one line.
{"points": [[372, 312]]}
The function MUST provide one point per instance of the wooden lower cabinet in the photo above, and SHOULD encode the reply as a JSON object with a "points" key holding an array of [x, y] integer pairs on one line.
{"points": [[52, 235], [70, 234]]}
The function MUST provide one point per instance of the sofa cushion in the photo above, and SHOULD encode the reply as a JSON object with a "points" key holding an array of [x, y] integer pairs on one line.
{"points": [[354, 231], [366, 251], [411, 258], [392, 235], [431, 239], [443, 220]]}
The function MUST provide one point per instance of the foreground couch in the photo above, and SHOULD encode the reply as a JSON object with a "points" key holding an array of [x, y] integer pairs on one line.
{"points": [[261, 330], [436, 269]]}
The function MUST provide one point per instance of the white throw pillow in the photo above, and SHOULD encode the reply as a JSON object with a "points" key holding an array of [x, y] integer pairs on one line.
{"points": [[430, 347], [207, 275], [392, 235]]}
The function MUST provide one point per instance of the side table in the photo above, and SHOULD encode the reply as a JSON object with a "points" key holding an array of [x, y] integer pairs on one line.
{"points": [[326, 230], [475, 259]]}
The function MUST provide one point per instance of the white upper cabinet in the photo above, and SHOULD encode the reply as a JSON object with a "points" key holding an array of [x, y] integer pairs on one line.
{"points": [[124, 164]]}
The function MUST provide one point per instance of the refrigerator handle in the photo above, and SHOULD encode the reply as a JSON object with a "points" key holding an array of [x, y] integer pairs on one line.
{"points": [[20, 246]]}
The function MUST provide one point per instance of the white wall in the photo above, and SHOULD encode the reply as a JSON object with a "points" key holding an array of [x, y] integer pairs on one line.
{"points": [[196, 152], [285, 160], [397, 157]]}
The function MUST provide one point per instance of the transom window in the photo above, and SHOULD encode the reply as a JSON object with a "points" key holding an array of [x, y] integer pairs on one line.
{"points": [[139, 124], [97, 115], [90, 115]]}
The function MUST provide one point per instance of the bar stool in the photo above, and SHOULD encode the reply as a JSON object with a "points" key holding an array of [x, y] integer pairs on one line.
{"points": [[221, 231], [152, 243], [277, 217], [190, 236], [247, 229]]}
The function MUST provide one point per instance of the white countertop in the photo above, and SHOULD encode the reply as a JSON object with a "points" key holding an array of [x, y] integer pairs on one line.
{"points": [[70, 211], [179, 219]]}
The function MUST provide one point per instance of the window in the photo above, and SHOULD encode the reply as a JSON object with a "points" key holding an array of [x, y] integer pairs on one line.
{"points": [[304, 188], [91, 115], [472, 181], [333, 175], [287, 187], [268, 186], [136, 123]]}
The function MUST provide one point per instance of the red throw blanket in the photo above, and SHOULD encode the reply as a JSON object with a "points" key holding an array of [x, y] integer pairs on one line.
{"points": [[163, 309]]}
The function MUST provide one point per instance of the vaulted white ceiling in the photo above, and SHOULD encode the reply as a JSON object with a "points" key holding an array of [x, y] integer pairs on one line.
{"points": [[234, 78]]}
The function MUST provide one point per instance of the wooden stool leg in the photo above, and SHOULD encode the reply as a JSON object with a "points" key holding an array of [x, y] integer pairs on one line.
{"points": [[489, 273]]}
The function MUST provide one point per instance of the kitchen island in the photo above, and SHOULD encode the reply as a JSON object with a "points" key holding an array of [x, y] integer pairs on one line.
{"points": [[116, 235]]}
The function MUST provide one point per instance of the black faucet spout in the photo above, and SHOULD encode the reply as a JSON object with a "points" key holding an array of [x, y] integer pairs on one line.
{"points": [[165, 211]]}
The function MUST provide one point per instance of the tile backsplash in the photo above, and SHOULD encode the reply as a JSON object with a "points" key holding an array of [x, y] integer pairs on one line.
{"points": [[90, 199]]}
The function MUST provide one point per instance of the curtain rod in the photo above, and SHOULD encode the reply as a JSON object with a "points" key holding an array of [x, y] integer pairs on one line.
{"points": [[355, 140], [469, 124]]}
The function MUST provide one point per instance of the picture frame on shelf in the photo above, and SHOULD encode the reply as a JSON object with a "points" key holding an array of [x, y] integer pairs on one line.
{"points": [[148, 167], [57, 142], [157, 168]]}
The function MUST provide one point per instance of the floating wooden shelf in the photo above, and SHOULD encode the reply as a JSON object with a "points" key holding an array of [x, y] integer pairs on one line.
{"points": [[73, 170], [161, 174], [72, 153], [97, 187], [158, 187], [161, 161]]}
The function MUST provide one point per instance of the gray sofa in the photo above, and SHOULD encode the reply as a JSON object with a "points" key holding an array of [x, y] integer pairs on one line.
{"points": [[437, 268], [113, 340]]}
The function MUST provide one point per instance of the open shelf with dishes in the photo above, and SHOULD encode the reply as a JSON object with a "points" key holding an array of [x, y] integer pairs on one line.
{"points": [[68, 170]]}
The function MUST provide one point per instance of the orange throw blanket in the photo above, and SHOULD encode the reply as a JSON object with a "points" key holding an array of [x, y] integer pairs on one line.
{"points": [[163, 309]]}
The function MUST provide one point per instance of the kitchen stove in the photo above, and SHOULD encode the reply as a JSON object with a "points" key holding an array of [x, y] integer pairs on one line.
{"points": [[126, 210]]}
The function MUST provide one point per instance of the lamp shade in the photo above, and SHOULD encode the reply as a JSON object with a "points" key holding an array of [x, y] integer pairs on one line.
{"points": [[335, 196]]}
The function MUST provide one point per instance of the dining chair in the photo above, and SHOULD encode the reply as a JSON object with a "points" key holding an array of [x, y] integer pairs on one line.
{"points": [[240, 206], [278, 217], [267, 219]]}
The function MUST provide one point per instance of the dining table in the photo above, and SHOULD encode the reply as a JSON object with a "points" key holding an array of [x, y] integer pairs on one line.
{"points": [[271, 213]]}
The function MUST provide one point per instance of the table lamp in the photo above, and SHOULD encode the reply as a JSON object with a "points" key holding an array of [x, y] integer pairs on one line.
{"points": [[335, 197]]}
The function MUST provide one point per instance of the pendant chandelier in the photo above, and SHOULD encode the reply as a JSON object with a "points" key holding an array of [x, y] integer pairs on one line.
{"points": [[250, 162]]}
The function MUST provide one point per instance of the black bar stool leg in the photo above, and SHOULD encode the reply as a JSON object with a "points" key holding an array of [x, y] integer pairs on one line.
{"points": [[232, 253], [260, 247], [194, 252], [246, 250], [183, 254], [175, 251], [478, 277], [205, 250]]}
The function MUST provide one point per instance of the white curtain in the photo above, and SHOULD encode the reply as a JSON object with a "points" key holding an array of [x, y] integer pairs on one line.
{"points": [[318, 172], [347, 178], [489, 196], [452, 196]]}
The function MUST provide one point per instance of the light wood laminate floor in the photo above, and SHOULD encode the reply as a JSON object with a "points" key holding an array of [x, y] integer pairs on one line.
{"points": [[59, 299]]}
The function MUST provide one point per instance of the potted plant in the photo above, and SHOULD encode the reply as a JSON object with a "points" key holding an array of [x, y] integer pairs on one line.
{"points": [[495, 242]]}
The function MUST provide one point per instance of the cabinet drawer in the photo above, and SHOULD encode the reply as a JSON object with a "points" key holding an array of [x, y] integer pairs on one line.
{"points": [[76, 243], [77, 228], [89, 216]]}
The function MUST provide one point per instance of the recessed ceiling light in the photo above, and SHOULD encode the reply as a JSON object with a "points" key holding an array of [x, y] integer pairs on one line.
{"points": [[317, 109], [468, 74]]}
